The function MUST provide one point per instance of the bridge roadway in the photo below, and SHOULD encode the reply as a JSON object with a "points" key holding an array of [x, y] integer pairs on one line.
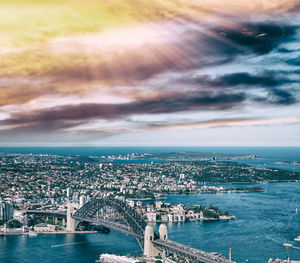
{"points": [[189, 252], [169, 245]]}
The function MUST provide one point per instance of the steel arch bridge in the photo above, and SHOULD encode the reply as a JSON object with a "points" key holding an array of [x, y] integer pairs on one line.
{"points": [[134, 222], [135, 225]]}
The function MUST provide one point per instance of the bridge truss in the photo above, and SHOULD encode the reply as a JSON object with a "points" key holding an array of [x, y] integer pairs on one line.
{"points": [[129, 221]]}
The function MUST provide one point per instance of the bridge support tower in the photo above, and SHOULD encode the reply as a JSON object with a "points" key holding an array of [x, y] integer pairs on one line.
{"points": [[163, 235], [71, 223], [149, 249]]}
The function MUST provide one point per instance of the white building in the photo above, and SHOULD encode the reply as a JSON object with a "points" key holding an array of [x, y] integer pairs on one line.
{"points": [[82, 200], [151, 217], [131, 203], [69, 192], [158, 204]]}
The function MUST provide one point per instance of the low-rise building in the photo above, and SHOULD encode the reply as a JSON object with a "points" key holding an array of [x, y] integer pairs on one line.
{"points": [[151, 216], [42, 227]]}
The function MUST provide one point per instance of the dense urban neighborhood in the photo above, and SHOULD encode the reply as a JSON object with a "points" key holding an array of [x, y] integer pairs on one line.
{"points": [[35, 177], [49, 182]]}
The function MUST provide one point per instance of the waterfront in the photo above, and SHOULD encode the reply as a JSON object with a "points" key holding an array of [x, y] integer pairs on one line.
{"points": [[269, 155], [264, 221]]}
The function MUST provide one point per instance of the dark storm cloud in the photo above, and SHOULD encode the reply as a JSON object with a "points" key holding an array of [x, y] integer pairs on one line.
{"points": [[69, 115], [285, 50], [276, 84], [294, 61], [279, 96], [258, 38], [243, 79]]}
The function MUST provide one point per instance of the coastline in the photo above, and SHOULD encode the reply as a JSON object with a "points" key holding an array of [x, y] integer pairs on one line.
{"points": [[48, 233]]}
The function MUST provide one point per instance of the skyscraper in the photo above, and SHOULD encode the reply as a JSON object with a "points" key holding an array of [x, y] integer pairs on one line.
{"points": [[6, 211], [69, 191]]}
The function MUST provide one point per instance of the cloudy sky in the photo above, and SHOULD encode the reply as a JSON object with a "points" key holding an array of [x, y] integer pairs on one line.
{"points": [[140, 72]]}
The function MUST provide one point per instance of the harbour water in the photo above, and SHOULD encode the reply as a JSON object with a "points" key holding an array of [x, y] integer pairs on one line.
{"points": [[264, 222]]}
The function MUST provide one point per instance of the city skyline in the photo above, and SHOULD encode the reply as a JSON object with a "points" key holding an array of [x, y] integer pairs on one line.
{"points": [[217, 73]]}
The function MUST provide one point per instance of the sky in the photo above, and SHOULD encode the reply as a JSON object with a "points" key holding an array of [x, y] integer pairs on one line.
{"points": [[140, 72]]}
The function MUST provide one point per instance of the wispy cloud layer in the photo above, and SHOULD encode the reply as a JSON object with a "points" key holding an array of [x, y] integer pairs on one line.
{"points": [[199, 57]]}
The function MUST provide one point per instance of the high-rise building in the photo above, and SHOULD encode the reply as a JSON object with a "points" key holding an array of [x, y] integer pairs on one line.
{"points": [[131, 203], [88, 198], [6, 211], [75, 197], [82, 200], [69, 192]]}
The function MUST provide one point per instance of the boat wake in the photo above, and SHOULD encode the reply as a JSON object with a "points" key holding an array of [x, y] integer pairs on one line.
{"points": [[296, 247], [67, 244]]}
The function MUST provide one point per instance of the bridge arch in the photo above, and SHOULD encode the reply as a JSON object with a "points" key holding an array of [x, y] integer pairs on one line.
{"points": [[134, 222]]}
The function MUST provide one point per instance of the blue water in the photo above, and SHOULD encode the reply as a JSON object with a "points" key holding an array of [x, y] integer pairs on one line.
{"points": [[264, 221], [269, 155], [77, 248]]}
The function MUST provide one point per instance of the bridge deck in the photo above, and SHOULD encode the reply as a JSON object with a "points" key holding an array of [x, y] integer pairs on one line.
{"points": [[190, 252]]}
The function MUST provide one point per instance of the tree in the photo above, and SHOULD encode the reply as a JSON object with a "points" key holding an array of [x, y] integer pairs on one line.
{"points": [[14, 224], [210, 214]]}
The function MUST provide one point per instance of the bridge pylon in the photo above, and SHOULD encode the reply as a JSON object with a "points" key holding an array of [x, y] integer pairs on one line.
{"points": [[71, 222], [163, 235], [149, 249], [163, 232]]}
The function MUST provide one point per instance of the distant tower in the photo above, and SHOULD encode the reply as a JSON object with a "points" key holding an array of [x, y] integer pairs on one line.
{"points": [[71, 223], [230, 254], [149, 249]]}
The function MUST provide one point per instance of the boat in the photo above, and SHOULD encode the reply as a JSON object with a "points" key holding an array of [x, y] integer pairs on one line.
{"points": [[32, 234], [297, 238], [287, 245]]}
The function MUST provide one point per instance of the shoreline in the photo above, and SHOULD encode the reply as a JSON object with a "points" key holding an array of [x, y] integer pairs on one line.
{"points": [[48, 233], [219, 192]]}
